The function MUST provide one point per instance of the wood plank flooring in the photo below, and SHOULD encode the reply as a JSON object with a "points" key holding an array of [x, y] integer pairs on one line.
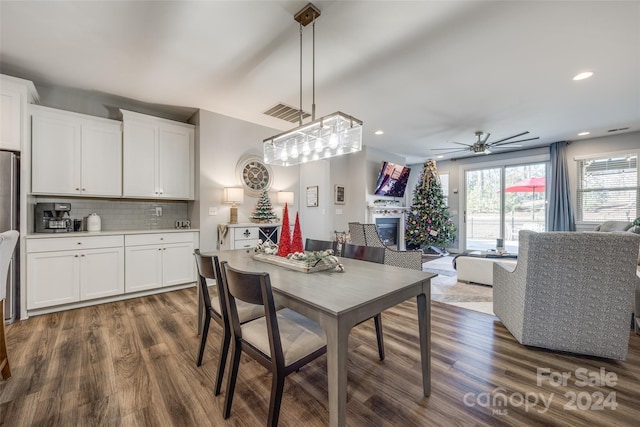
{"points": [[133, 363]]}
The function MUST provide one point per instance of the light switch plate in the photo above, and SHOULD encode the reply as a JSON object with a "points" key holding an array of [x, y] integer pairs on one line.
{"points": [[213, 211]]}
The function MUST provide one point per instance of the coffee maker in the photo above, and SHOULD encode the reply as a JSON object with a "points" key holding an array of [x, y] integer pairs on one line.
{"points": [[53, 218]]}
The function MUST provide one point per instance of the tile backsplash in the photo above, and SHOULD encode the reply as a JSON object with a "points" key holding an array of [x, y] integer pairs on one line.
{"points": [[118, 215]]}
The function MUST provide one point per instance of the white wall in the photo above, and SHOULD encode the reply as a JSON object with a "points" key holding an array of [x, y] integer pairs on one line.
{"points": [[222, 141]]}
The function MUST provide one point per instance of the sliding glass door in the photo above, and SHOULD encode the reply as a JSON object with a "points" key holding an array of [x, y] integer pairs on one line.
{"points": [[501, 201]]}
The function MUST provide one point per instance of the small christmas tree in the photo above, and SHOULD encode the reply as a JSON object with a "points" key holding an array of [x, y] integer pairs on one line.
{"points": [[296, 242], [284, 243], [429, 222], [263, 211]]}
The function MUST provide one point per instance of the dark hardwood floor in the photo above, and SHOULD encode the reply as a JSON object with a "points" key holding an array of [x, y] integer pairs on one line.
{"points": [[133, 363]]}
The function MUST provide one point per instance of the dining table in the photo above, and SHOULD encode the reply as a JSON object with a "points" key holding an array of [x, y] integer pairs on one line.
{"points": [[339, 300]]}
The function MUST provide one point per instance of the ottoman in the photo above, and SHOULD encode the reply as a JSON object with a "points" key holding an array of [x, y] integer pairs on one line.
{"points": [[478, 269]]}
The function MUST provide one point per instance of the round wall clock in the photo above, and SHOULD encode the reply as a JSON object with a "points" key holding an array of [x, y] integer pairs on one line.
{"points": [[254, 174]]}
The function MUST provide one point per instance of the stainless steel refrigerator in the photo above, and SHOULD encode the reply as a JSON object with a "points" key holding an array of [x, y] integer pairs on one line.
{"points": [[9, 209]]}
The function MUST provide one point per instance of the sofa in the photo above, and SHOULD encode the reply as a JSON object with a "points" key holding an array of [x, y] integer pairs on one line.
{"points": [[571, 292]]}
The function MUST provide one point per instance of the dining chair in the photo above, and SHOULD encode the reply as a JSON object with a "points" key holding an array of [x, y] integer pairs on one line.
{"points": [[8, 241], [320, 245], [216, 309], [282, 341], [371, 254]]}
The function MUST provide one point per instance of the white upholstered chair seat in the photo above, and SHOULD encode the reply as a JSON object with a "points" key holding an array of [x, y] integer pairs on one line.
{"points": [[300, 336]]}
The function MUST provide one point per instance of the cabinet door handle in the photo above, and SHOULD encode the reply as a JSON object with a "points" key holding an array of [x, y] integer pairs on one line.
{"points": [[76, 256], [79, 243], [159, 249], [77, 188], [82, 255], [84, 189]]}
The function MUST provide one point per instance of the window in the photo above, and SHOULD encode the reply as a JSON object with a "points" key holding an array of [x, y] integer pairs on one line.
{"points": [[444, 183], [608, 188]]}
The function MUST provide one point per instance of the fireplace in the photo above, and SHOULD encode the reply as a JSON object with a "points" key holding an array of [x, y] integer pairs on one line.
{"points": [[389, 221], [388, 230]]}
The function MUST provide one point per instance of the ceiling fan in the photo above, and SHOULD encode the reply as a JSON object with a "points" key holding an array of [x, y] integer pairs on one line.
{"points": [[481, 146]]}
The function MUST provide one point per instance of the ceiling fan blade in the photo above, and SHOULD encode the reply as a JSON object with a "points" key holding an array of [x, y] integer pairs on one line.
{"points": [[454, 151], [513, 142], [502, 146], [460, 143], [511, 137], [449, 148]]}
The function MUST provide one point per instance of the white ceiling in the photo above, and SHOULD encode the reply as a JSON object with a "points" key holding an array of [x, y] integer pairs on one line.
{"points": [[426, 72]]}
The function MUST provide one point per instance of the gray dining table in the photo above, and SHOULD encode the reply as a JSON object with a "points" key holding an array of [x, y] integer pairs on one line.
{"points": [[340, 300]]}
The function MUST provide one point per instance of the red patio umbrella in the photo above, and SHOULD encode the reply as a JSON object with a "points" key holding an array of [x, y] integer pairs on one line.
{"points": [[533, 185]]}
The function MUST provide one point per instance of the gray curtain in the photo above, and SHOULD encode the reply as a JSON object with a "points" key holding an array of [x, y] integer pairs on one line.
{"points": [[561, 216]]}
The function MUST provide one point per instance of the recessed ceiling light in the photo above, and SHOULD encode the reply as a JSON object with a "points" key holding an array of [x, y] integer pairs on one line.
{"points": [[379, 132], [439, 157], [584, 75], [584, 133]]}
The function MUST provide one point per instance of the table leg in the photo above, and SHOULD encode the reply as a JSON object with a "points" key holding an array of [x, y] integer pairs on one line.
{"points": [[337, 342], [424, 329]]}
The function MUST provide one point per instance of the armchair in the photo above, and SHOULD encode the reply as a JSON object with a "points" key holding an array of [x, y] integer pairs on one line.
{"points": [[367, 235], [570, 292]]}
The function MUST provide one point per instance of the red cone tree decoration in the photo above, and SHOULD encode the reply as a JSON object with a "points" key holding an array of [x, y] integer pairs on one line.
{"points": [[296, 244], [284, 243]]}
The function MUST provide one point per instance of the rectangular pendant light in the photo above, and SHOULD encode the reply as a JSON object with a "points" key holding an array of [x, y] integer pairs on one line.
{"points": [[328, 136]]}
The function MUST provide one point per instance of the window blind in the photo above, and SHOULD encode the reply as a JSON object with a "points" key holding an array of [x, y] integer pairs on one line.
{"points": [[608, 188]]}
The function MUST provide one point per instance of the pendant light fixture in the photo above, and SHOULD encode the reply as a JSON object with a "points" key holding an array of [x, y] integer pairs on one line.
{"points": [[329, 136]]}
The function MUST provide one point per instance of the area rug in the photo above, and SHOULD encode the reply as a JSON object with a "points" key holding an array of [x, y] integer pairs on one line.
{"points": [[446, 288]]}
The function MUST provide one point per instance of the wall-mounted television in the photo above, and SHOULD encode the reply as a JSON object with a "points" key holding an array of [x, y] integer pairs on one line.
{"points": [[392, 180]]}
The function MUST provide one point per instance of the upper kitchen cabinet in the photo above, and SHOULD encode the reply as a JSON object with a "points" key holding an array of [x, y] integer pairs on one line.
{"points": [[15, 94], [158, 159], [75, 154]]}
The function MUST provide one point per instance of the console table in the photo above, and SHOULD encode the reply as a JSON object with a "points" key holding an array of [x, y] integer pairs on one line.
{"points": [[246, 236]]}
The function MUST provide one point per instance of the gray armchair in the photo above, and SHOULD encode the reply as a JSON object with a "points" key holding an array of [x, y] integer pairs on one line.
{"points": [[367, 235], [570, 292]]}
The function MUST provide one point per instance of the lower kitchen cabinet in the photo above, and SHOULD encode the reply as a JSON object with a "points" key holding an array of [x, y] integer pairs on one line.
{"points": [[78, 270], [158, 260], [68, 270]]}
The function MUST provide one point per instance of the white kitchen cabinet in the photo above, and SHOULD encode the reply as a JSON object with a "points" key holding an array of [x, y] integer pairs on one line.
{"points": [[64, 270], [246, 236], [158, 157], [15, 94], [75, 154], [157, 260]]}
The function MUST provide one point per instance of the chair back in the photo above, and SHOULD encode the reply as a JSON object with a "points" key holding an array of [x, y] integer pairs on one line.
{"points": [[356, 231], [209, 268], [319, 245], [371, 236], [8, 241], [364, 253], [253, 288]]}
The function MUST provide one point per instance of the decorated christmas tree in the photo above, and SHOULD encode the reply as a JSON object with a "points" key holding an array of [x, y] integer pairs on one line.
{"points": [[429, 224], [263, 211], [296, 241], [284, 243]]}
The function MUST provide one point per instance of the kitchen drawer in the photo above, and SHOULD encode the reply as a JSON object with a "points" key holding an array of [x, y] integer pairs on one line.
{"points": [[246, 233], [73, 242], [158, 238], [245, 244]]}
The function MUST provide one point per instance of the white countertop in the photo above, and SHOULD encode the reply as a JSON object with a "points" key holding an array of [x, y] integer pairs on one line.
{"points": [[108, 233]]}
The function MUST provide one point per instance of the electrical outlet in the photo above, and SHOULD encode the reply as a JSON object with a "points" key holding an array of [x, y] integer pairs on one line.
{"points": [[338, 211], [213, 211], [158, 210]]}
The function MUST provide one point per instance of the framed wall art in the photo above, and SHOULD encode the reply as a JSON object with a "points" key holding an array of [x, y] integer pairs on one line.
{"points": [[312, 196], [338, 194]]}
